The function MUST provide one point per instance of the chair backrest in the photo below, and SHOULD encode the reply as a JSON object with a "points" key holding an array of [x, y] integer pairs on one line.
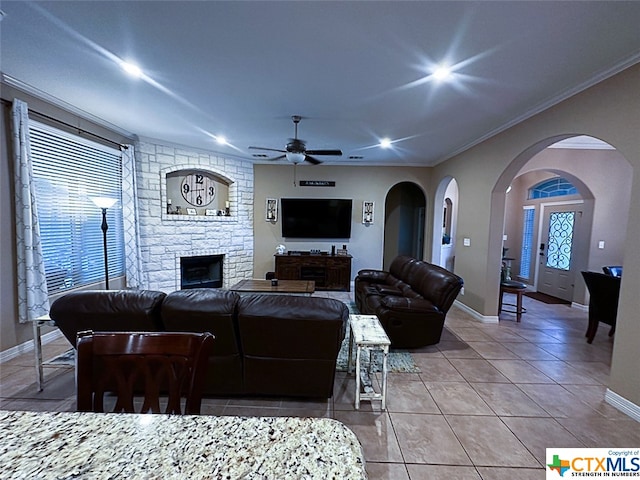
{"points": [[604, 291], [613, 270], [155, 364]]}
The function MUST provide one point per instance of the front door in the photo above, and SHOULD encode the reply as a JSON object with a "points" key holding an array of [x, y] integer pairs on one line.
{"points": [[557, 271]]}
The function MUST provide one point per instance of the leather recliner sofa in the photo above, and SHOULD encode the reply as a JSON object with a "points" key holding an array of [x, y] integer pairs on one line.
{"points": [[264, 344], [411, 300]]}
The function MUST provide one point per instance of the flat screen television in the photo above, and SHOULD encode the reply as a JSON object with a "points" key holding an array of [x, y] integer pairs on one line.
{"points": [[316, 217]]}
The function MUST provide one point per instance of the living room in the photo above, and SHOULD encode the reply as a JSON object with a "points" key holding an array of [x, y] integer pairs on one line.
{"points": [[606, 110]]}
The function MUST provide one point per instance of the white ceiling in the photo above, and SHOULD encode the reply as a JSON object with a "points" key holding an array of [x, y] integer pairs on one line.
{"points": [[356, 71]]}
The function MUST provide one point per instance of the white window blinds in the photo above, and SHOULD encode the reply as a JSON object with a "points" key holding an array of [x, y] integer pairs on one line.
{"points": [[68, 171]]}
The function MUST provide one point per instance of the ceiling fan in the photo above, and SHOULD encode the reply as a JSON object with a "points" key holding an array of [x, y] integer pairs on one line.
{"points": [[296, 151]]}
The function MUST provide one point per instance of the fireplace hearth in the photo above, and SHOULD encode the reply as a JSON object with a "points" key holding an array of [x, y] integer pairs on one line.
{"points": [[203, 271]]}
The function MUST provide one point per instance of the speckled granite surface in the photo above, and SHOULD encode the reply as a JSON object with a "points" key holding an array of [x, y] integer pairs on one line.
{"points": [[65, 445]]}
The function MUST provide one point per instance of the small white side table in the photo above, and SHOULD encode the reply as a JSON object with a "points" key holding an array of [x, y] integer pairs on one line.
{"points": [[38, 323], [368, 334]]}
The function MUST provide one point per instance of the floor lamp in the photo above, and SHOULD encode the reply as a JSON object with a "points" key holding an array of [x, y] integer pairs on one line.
{"points": [[104, 203]]}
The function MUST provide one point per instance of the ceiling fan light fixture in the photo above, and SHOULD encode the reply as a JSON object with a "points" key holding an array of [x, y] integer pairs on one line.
{"points": [[295, 157]]}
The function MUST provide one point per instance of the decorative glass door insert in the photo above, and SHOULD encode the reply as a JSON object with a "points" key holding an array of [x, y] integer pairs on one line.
{"points": [[560, 240]]}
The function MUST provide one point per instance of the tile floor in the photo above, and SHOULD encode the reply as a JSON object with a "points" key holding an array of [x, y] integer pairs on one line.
{"points": [[488, 401]]}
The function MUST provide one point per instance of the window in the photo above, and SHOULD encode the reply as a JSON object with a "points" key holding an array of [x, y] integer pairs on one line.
{"points": [[68, 171], [527, 242], [554, 187]]}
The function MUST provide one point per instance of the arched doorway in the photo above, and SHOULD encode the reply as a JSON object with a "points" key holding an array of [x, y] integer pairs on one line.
{"points": [[600, 212], [445, 221], [404, 224]]}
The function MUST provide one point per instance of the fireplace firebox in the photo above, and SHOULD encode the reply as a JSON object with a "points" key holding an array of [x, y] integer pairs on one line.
{"points": [[201, 271]]}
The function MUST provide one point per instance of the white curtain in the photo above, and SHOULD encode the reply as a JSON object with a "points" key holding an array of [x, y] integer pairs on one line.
{"points": [[33, 297], [133, 260]]}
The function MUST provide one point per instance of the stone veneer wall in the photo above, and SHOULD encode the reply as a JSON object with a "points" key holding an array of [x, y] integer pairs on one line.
{"points": [[165, 238]]}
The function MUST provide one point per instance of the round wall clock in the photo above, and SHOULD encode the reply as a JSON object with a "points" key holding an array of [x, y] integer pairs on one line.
{"points": [[198, 189]]}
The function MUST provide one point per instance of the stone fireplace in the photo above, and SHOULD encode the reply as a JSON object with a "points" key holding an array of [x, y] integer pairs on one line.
{"points": [[165, 239], [204, 271]]}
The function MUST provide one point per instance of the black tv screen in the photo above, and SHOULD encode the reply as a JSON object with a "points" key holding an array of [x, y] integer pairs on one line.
{"points": [[316, 217]]}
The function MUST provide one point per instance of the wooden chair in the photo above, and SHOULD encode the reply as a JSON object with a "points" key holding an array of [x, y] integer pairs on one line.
{"points": [[604, 291], [156, 364]]}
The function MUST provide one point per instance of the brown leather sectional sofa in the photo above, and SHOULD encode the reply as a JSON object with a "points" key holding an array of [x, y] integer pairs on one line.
{"points": [[411, 300], [265, 344]]}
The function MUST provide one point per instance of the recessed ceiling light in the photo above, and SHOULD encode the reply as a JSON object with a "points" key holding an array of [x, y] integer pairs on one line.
{"points": [[442, 73], [385, 143], [132, 69]]}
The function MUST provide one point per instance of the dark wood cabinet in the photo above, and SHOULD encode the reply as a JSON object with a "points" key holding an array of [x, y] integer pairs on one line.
{"points": [[330, 272]]}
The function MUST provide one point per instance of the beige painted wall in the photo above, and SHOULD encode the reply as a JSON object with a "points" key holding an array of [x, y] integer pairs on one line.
{"points": [[356, 183], [610, 111]]}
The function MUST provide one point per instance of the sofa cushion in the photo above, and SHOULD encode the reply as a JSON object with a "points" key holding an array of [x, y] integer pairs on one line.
{"points": [[107, 310], [417, 305], [210, 310], [291, 344]]}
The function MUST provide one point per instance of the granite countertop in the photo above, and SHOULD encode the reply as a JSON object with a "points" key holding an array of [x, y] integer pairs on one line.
{"points": [[65, 445]]}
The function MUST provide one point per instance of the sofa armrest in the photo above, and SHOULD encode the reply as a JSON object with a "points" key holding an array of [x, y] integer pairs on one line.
{"points": [[388, 290], [373, 276], [404, 304]]}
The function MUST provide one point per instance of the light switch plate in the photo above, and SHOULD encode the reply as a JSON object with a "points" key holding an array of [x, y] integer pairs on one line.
{"points": [[466, 242], [601, 244]]}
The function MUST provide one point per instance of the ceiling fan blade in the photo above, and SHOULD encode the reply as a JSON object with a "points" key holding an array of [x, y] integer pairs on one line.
{"points": [[277, 158], [335, 153], [312, 160], [269, 149]]}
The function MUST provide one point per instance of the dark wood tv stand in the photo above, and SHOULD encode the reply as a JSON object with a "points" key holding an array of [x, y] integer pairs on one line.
{"points": [[330, 272]]}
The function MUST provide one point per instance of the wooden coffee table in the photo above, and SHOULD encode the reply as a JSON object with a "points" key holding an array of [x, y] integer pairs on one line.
{"points": [[287, 287]]}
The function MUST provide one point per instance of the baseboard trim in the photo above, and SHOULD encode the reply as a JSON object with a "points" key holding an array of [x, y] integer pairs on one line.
{"points": [[476, 315], [27, 346], [625, 406]]}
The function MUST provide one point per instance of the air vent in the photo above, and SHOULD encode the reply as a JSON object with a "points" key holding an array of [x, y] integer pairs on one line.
{"points": [[355, 157], [260, 155]]}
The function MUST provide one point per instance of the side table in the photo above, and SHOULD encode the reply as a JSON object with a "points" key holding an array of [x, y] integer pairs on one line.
{"points": [[38, 323], [367, 334]]}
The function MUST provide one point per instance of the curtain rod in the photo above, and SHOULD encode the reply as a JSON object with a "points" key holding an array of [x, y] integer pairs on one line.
{"points": [[79, 130]]}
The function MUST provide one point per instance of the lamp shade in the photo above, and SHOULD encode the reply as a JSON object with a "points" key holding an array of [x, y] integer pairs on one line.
{"points": [[104, 202], [295, 158]]}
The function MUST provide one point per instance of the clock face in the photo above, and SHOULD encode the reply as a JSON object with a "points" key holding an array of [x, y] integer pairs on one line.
{"points": [[198, 189]]}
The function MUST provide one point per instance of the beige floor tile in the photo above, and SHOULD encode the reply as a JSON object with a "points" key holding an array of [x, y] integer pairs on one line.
{"points": [[478, 370], [519, 371], [562, 372], [488, 442], [600, 432], [438, 370], [506, 399], [457, 349], [376, 435], [386, 471], [492, 350], [557, 401], [428, 439], [528, 351], [470, 334], [538, 434], [458, 398], [441, 472], [496, 473], [410, 397]]}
